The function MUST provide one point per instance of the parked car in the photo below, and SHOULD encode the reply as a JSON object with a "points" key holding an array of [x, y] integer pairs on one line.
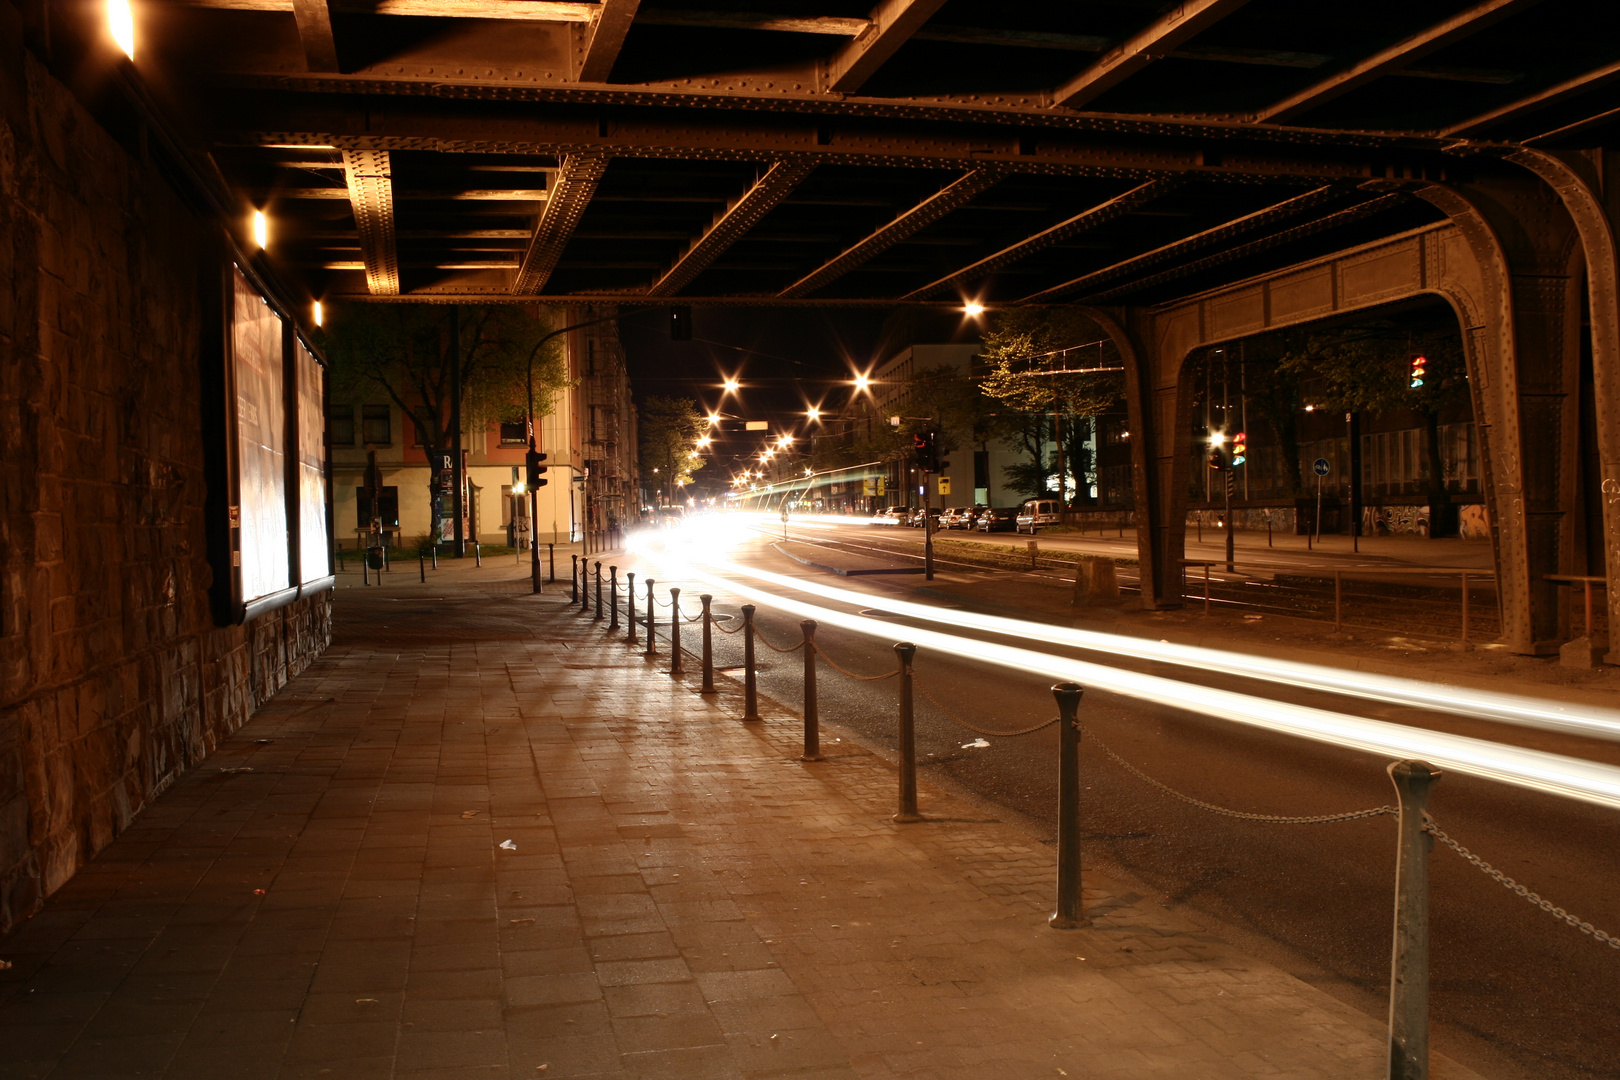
{"points": [[918, 515], [1035, 513], [997, 519], [957, 517], [971, 520], [894, 515]]}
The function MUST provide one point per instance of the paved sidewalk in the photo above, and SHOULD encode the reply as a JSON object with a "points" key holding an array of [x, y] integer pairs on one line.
{"points": [[330, 894]]}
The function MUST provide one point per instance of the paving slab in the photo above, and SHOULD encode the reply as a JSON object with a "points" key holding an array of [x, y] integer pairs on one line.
{"points": [[481, 838]]}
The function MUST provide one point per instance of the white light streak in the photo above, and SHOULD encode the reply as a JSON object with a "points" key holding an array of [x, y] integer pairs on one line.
{"points": [[1536, 770], [1589, 721]]}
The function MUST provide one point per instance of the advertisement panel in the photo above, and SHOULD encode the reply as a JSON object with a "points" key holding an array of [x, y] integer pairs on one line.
{"points": [[314, 556], [261, 450]]}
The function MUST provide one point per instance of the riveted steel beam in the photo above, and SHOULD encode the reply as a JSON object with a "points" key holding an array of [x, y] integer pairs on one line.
{"points": [[573, 186], [891, 24], [523, 10], [1551, 95], [952, 197], [601, 41], [1254, 247], [729, 227], [1219, 234], [371, 195], [1392, 59], [1090, 218], [1181, 22], [314, 20]]}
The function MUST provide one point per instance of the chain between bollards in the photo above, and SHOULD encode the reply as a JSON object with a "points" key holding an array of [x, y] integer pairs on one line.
{"points": [[1069, 914], [812, 705], [652, 627], [708, 645], [906, 651], [613, 598], [675, 633], [630, 607], [598, 614], [1409, 965], [750, 688]]}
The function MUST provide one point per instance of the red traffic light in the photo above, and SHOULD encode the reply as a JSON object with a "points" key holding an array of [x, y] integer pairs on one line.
{"points": [[1419, 365], [1240, 448]]}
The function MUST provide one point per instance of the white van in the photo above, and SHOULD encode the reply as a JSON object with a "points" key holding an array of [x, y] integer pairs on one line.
{"points": [[1034, 513]]}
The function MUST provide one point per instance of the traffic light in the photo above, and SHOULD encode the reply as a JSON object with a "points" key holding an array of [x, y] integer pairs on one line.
{"points": [[535, 470], [922, 449], [1419, 364], [1217, 458], [1240, 449]]}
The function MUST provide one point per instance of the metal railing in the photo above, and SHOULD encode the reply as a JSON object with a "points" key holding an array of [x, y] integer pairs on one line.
{"points": [[1416, 831]]}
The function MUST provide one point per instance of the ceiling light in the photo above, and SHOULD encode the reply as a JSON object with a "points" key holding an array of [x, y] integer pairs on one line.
{"points": [[261, 229], [320, 314], [121, 23]]}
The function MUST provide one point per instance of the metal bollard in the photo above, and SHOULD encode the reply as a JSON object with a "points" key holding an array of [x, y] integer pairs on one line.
{"points": [[1069, 914], [434, 551], [598, 614], [613, 598], [1338, 599], [1409, 967], [421, 565], [630, 606], [573, 581], [675, 633], [584, 585], [478, 554], [708, 645], [365, 568], [551, 557], [908, 738], [750, 685], [812, 710], [652, 626]]}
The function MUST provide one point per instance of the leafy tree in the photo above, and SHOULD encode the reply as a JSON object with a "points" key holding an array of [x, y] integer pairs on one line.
{"points": [[407, 352], [669, 428], [1368, 369], [1053, 362]]}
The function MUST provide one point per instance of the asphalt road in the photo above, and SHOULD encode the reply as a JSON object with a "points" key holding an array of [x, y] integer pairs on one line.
{"points": [[1515, 992]]}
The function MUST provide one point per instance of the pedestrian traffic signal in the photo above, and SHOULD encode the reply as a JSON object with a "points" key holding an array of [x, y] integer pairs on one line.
{"points": [[925, 450], [1419, 364], [1240, 449], [535, 470]]}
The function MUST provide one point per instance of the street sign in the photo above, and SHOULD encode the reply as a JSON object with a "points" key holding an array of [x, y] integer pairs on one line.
{"points": [[1321, 466], [869, 487], [944, 485]]}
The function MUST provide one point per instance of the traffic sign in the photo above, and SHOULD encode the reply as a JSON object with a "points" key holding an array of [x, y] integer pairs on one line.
{"points": [[1321, 466]]}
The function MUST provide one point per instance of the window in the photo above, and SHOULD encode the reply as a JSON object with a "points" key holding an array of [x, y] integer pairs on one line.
{"points": [[515, 434], [340, 425], [419, 425], [376, 425]]}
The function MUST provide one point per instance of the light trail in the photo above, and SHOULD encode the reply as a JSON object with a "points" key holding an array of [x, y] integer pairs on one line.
{"points": [[1587, 721], [1535, 770]]}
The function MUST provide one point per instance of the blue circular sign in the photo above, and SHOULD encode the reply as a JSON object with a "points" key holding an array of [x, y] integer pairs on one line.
{"points": [[1321, 466]]}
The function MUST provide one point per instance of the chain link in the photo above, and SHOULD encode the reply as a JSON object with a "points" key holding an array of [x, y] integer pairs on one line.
{"points": [[860, 678], [721, 626], [767, 643], [923, 690], [1270, 819], [1432, 827]]}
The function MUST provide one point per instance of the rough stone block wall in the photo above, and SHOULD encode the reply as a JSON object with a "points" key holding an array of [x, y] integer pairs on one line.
{"points": [[113, 677]]}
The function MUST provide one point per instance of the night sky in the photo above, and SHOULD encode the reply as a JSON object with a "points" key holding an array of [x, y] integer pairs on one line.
{"points": [[785, 358]]}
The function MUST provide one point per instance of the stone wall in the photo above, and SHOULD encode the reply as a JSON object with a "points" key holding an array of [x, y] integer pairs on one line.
{"points": [[113, 677]]}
